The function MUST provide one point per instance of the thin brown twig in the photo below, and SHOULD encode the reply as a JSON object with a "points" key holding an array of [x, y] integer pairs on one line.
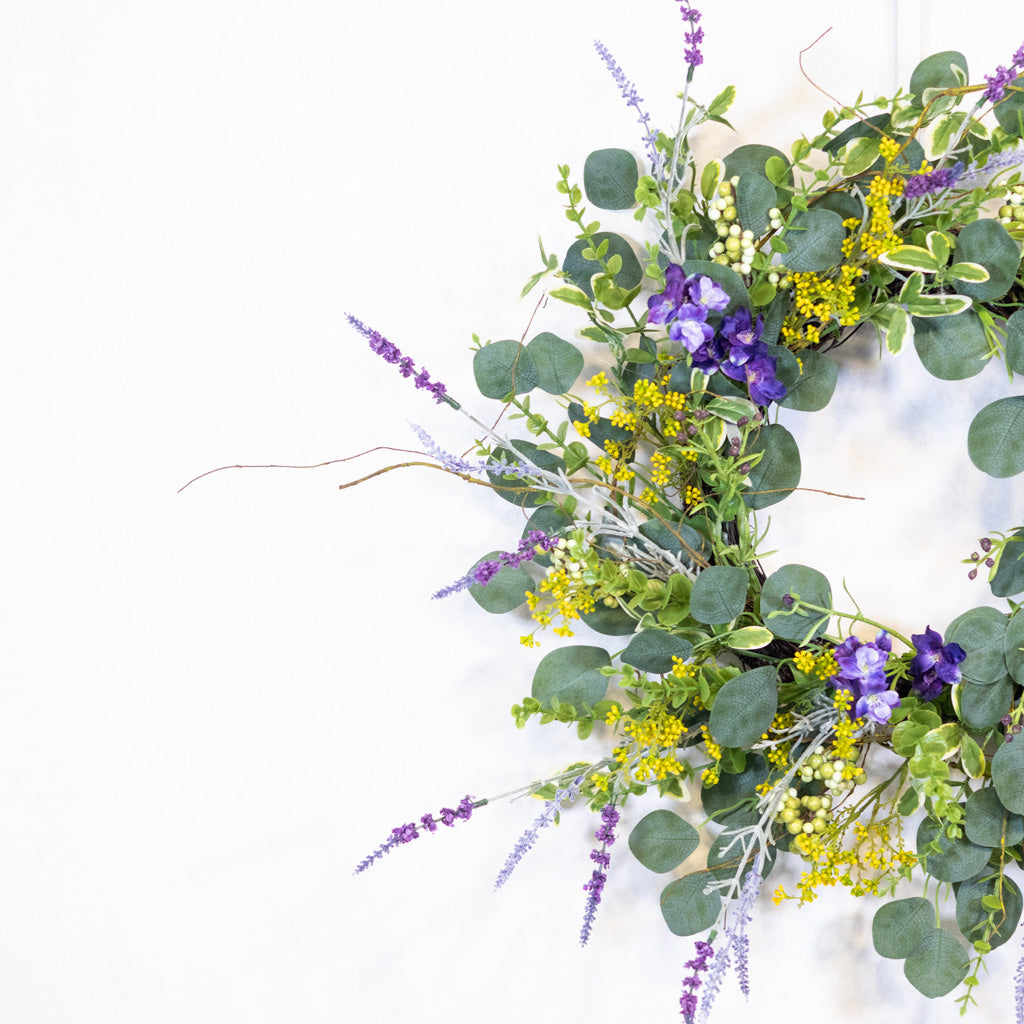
{"points": [[315, 465], [800, 61]]}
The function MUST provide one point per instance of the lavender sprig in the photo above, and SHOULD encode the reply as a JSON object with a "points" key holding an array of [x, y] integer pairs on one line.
{"points": [[633, 99], [529, 837], [688, 1000], [694, 37], [407, 833], [1018, 990], [483, 573], [390, 354], [601, 857], [998, 82]]}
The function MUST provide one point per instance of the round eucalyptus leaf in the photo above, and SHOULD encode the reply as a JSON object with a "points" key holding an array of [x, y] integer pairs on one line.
{"points": [[900, 925], [678, 538], [811, 387], [719, 594], [744, 707], [987, 242], [652, 650], [687, 909], [661, 840], [1013, 647], [982, 706], [988, 823], [755, 196], [558, 363], [935, 72], [504, 367], [753, 159], [1009, 578], [580, 271], [995, 440], [721, 800], [610, 178], [955, 860], [937, 965], [777, 473], [1014, 353], [795, 581], [972, 915], [610, 621], [981, 633], [571, 675], [951, 347], [504, 591], [1009, 110], [1008, 775], [815, 239]]}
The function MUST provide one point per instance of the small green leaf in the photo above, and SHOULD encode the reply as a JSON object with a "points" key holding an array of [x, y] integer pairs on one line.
{"points": [[749, 638], [710, 178], [900, 326], [861, 155], [573, 296], [939, 305], [722, 102], [968, 272], [911, 257], [661, 840], [973, 760]]}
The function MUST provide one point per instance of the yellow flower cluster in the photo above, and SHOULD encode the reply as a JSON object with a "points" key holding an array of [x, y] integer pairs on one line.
{"points": [[622, 417], [889, 149], [646, 392], [693, 496], [652, 744], [876, 858], [825, 665], [881, 236], [804, 661], [778, 754], [660, 469], [569, 597], [711, 775], [819, 300]]}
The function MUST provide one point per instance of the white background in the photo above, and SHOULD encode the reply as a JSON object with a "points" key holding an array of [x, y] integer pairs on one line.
{"points": [[215, 703]]}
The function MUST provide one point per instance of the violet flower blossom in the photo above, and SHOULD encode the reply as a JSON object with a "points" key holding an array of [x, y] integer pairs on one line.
{"points": [[694, 37], [390, 354], [933, 181], [407, 833], [529, 837], [486, 570], [862, 673], [605, 834], [935, 665]]}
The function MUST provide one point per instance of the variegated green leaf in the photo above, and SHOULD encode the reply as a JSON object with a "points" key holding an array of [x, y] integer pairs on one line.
{"points": [[899, 330], [939, 246], [911, 287], [911, 257], [939, 305], [750, 638], [968, 272]]}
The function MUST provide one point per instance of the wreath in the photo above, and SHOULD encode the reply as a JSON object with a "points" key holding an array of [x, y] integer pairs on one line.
{"points": [[754, 702]]}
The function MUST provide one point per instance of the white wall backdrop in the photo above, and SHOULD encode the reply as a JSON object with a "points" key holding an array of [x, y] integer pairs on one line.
{"points": [[215, 703]]}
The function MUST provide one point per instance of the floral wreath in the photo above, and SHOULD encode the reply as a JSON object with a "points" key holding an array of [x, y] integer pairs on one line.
{"points": [[727, 687]]}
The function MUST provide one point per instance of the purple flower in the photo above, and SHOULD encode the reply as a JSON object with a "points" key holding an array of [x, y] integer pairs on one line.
{"points": [[933, 181], [705, 292], [606, 835], [690, 326], [877, 706], [390, 354], [1018, 991], [629, 94], [407, 833], [998, 82], [862, 665], [688, 1000], [763, 385], [935, 664], [485, 571], [693, 37], [529, 837]]}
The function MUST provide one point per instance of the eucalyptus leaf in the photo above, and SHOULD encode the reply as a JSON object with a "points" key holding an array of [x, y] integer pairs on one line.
{"points": [[754, 159], [815, 239], [995, 440], [955, 860], [935, 72], [1013, 647], [661, 840], [1009, 111], [1008, 775], [777, 473], [504, 367], [812, 387], [987, 243], [579, 270], [729, 800], [937, 965], [571, 675], [610, 178], [652, 650], [1009, 577], [687, 909], [610, 621], [951, 347], [980, 632], [988, 823], [558, 363], [972, 915], [719, 594], [898, 927], [755, 196], [1015, 342], [981, 707], [745, 707], [786, 621]]}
